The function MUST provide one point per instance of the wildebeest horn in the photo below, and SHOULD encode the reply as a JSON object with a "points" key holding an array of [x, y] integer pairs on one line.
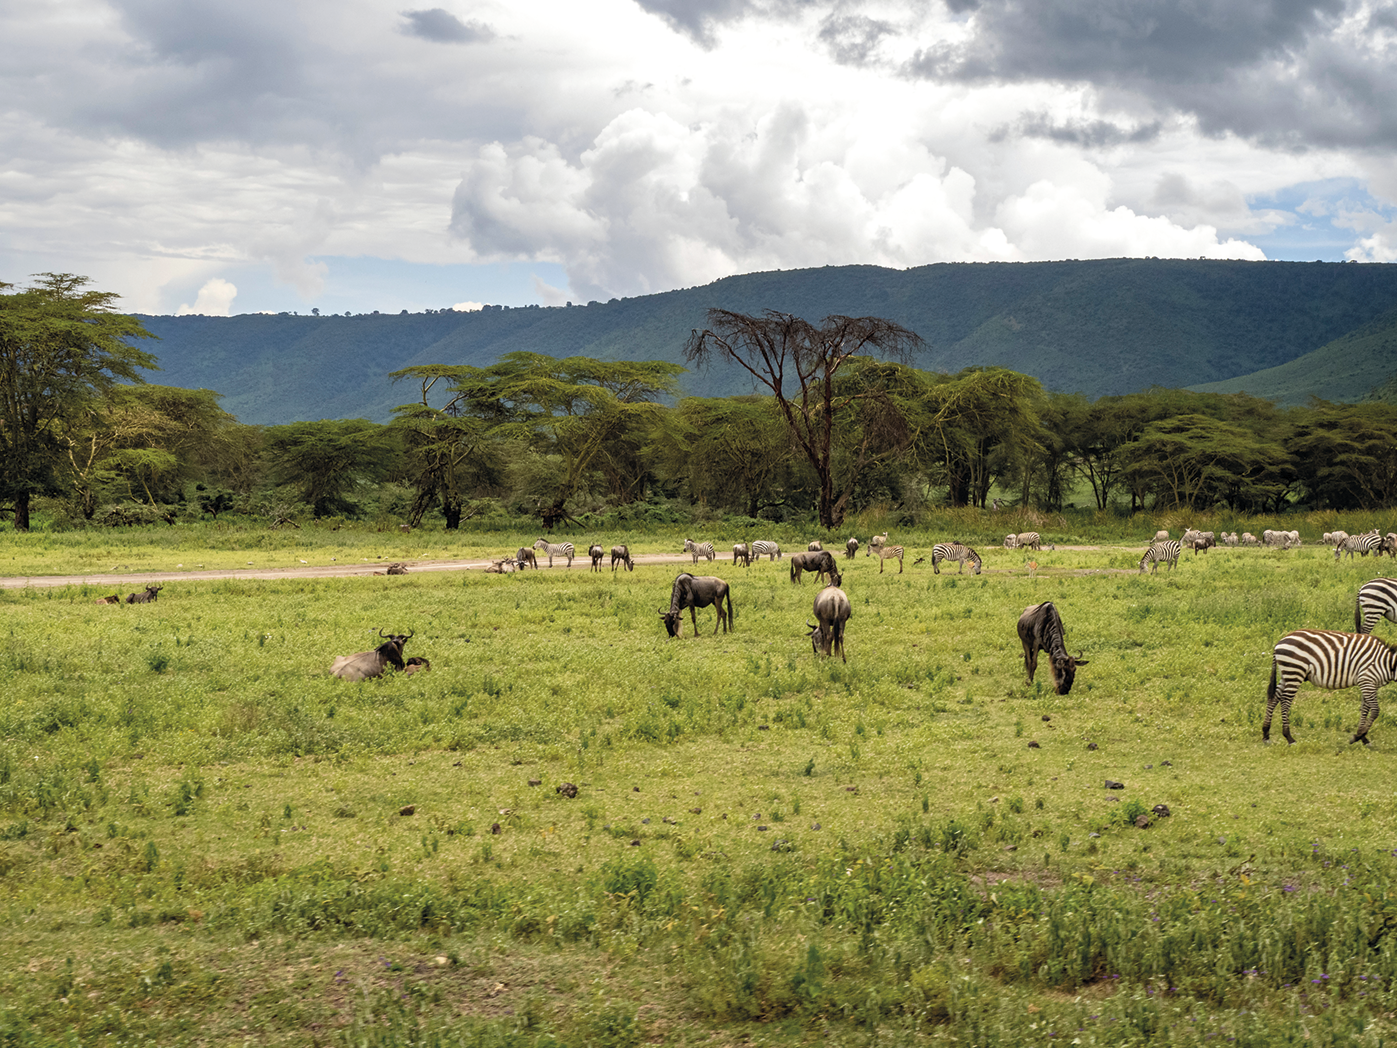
{"points": [[411, 634]]}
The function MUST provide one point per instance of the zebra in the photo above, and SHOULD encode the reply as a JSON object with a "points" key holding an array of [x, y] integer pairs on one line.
{"points": [[954, 551], [596, 553], [699, 549], [1362, 544], [1248, 539], [1161, 552], [762, 548], [1011, 541], [1028, 540], [1328, 659], [560, 549], [886, 553], [1376, 600]]}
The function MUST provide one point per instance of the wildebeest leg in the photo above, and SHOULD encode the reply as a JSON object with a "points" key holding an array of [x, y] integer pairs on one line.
{"points": [[1030, 659], [693, 614], [1370, 713]]}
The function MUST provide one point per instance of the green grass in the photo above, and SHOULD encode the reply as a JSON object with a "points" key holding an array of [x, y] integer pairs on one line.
{"points": [[203, 838]]}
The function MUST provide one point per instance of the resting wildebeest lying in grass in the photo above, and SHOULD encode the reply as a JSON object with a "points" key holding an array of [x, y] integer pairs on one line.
{"points": [[148, 597], [1040, 629], [695, 592], [831, 613], [369, 664]]}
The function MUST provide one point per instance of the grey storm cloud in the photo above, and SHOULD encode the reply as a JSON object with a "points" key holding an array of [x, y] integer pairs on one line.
{"points": [[442, 27], [852, 39], [1288, 73], [698, 19]]}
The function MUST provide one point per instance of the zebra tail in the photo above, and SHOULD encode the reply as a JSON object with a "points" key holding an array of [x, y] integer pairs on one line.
{"points": [[1358, 616], [1271, 688]]}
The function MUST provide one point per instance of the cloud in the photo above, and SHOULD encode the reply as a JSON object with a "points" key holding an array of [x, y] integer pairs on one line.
{"points": [[468, 307], [215, 299], [442, 27], [853, 39]]}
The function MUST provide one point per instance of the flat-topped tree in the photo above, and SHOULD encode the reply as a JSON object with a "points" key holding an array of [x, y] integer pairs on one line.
{"points": [[801, 364]]}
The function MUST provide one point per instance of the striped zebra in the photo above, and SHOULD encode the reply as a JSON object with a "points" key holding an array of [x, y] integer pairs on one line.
{"points": [[1328, 659], [761, 548], [1361, 544], [1376, 600], [954, 551], [559, 549], [699, 549], [887, 553], [1028, 540], [1161, 553]]}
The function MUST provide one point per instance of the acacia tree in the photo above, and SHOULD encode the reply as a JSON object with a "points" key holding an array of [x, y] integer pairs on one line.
{"points": [[61, 348], [801, 364], [981, 422], [326, 460]]}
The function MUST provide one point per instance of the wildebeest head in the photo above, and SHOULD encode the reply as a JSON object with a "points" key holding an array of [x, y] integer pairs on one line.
{"points": [[1063, 668], [817, 637]]}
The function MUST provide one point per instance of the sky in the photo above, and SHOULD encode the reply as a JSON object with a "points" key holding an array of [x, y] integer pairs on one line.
{"points": [[354, 155]]}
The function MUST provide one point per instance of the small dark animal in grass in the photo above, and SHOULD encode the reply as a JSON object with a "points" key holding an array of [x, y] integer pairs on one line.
{"points": [[832, 610], [820, 561], [525, 557], [397, 569], [621, 554], [369, 664], [416, 664], [115, 598], [695, 592], [1040, 629], [148, 597], [596, 553]]}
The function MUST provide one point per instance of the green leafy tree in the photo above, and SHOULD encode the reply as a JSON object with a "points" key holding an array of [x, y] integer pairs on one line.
{"points": [[1193, 461], [731, 452], [327, 461], [1346, 455], [981, 423], [802, 365], [61, 348]]}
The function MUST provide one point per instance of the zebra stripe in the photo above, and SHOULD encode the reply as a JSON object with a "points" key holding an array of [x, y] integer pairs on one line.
{"points": [[886, 553], [559, 549], [1161, 553], [699, 549], [954, 551], [1361, 544], [762, 548], [1328, 660], [1376, 600]]}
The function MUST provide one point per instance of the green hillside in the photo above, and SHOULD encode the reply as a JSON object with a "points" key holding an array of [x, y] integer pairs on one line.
{"points": [[1350, 368], [1100, 327]]}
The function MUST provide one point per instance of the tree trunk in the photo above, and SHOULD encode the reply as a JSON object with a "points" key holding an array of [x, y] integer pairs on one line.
{"points": [[22, 511], [451, 510]]}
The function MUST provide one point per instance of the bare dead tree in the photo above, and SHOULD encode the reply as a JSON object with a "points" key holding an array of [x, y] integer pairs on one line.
{"points": [[799, 363]]}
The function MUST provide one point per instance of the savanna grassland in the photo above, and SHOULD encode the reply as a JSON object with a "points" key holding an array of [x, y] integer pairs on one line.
{"points": [[205, 839]]}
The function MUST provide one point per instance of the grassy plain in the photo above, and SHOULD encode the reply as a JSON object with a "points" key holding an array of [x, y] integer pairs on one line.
{"points": [[205, 839]]}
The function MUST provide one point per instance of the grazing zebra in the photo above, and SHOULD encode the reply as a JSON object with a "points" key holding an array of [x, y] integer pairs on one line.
{"points": [[1389, 545], [742, 553], [1248, 539], [876, 543], [1376, 600], [851, 547], [1028, 540], [887, 553], [596, 553], [699, 549], [622, 554], [954, 551], [1362, 544], [560, 549], [1332, 660], [1161, 552], [761, 548]]}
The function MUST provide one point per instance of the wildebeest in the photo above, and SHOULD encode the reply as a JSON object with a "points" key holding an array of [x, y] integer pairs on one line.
{"points": [[694, 592], [526, 556], [851, 547], [1040, 629], [369, 664], [115, 598], [740, 552], [502, 567], [416, 664], [877, 542], [596, 553], [148, 597], [818, 561], [623, 555], [832, 610], [814, 546], [397, 568], [1161, 536]]}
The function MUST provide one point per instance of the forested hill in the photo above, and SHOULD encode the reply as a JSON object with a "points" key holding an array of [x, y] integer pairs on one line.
{"points": [[1098, 327]]}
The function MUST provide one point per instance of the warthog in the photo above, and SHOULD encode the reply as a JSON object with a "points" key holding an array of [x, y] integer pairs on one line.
{"points": [[832, 610], [369, 664], [147, 597], [1040, 629], [694, 592], [623, 555]]}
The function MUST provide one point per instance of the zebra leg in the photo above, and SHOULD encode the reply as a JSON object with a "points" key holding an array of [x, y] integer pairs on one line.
{"points": [[1369, 692], [899, 565], [1278, 694]]}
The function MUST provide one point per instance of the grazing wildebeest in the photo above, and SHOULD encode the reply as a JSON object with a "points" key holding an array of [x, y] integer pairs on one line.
{"points": [[524, 557], [596, 553], [818, 561], [694, 592], [831, 613], [369, 664], [851, 547], [814, 547], [623, 555], [740, 552], [148, 597], [1040, 629]]}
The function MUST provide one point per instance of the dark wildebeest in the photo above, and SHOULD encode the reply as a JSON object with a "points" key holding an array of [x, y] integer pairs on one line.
{"points": [[851, 547], [524, 557], [740, 552], [369, 664], [694, 592], [148, 597], [1040, 629], [819, 561], [622, 554], [397, 568], [596, 553], [831, 613]]}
